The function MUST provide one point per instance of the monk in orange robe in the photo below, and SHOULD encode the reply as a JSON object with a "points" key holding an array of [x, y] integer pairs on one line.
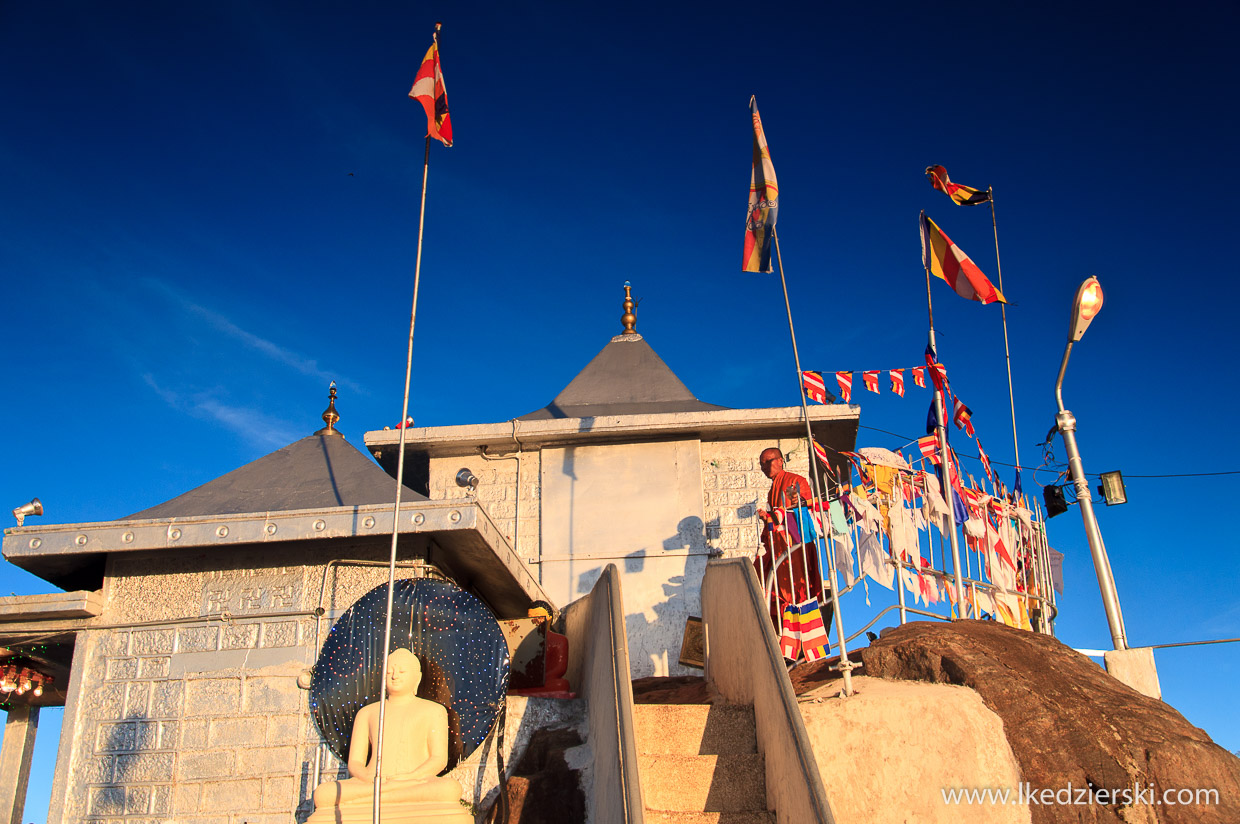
{"points": [[797, 578]]}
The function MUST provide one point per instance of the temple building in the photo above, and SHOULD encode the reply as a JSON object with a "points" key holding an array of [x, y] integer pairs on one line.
{"points": [[183, 643]]}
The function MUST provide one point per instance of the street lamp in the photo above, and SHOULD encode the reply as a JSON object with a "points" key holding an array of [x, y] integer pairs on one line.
{"points": [[1088, 303]]}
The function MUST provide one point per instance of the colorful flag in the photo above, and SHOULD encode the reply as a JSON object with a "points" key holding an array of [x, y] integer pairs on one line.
{"points": [[985, 460], [897, 381], [815, 389], [763, 201], [948, 261], [938, 372], [428, 89], [919, 376], [844, 379], [962, 195], [962, 417], [813, 634], [871, 380], [929, 446], [790, 632], [820, 452]]}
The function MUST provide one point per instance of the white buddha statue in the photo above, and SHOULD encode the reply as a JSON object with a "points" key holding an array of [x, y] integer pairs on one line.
{"points": [[415, 751]]}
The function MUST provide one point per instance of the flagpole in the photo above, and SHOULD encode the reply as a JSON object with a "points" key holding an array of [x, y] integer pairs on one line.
{"points": [[940, 431], [1003, 311], [845, 665], [400, 475]]}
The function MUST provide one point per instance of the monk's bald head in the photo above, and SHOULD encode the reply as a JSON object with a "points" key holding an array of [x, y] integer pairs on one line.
{"points": [[771, 461]]}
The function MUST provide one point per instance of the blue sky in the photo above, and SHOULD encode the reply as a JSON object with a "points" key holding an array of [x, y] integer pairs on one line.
{"points": [[210, 211]]}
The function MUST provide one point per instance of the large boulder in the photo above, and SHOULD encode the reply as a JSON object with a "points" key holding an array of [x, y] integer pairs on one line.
{"points": [[1069, 723]]}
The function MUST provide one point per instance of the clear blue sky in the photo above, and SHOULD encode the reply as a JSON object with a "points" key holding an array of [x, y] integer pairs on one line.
{"points": [[209, 211]]}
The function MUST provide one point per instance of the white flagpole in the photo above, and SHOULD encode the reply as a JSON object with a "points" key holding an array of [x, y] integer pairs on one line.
{"points": [[845, 665], [400, 477], [1007, 352]]}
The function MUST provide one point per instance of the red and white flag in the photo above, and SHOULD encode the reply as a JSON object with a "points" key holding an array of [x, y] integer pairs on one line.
{"points": [[929, 447], [985, 460], [871, 380], [815, 388], [963, 417], [428, 89], [897, 381], [844, 379], [919, 376]]}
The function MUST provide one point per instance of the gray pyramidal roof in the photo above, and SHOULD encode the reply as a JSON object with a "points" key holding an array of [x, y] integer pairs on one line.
{"points": [[317, 472], [625, 378]]}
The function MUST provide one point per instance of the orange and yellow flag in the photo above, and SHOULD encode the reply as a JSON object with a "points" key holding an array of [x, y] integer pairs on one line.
{"points": [[962, 195], [763, 200], [948, 261], [428, 89]]}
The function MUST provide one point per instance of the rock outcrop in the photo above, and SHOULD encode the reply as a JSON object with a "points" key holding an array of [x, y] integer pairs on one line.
{"points": [[1069, 723]]}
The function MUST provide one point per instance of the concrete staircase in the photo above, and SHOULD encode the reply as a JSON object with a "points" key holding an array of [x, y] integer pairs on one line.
{"points": [[699, 764]]}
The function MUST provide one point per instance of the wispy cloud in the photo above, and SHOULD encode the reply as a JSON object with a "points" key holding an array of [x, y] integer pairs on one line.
{"points": [[280, 354], [255, 427]]}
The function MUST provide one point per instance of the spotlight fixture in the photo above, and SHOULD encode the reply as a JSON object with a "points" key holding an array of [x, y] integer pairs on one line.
{"points": [[466, 478], [1112, 488], [1052, 496], [35, 507]]}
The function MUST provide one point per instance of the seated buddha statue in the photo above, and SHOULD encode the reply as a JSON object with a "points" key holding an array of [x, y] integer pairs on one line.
{"points": [[415, 751]]}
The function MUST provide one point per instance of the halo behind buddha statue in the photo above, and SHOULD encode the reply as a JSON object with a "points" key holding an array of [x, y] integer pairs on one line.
{"points": [[463, 653]]}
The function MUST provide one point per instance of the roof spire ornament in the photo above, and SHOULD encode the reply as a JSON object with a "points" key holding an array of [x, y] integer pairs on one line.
{"points": [[330, 415], [628, 318]]}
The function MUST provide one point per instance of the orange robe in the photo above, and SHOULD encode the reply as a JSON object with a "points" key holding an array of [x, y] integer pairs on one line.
{"points": [[792, 582]]}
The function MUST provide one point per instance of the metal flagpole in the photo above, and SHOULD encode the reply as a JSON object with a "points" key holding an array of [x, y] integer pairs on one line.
{"points": [[400, 475], [845, 664], [1003, 311], [940, 411]]}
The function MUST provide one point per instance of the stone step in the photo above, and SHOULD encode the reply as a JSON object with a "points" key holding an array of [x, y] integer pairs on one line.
{"points": [[694, 729], [703, 783], [682, 817]]}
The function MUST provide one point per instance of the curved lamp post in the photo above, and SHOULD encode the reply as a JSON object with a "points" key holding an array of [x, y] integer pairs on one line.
{"points": [[1088, 302]]}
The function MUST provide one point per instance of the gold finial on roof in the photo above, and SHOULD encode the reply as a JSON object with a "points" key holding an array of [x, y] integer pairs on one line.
{"points": [[628, 318], [330, 415]]}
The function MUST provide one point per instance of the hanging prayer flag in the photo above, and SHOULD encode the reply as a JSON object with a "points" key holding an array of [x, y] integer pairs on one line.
{"points": [[844, 379], [919, 376], [962, 195], [897, 381], [962, 417], [929, 447], [871, 380], [820, 452], [938, 372], [948, 261], [790, 632], [813, 634], [428, 89], [815, 389], [763, 200], [985, 460]]}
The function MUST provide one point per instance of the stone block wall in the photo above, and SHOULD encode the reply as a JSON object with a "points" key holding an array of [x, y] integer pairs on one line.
{"points": [[734, 489], [497, 494], [201, 722]]}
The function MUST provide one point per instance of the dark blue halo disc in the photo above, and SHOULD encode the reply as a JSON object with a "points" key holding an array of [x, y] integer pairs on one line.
{"points": [[463, 653]]}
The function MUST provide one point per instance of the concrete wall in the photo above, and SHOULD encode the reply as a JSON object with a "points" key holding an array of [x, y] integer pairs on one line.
{"points": [[744, 664], [202, 722], [598, 672]]}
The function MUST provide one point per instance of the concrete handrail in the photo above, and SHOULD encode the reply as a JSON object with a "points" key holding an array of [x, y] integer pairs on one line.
{"points": [[598, 653], [744, 664]]}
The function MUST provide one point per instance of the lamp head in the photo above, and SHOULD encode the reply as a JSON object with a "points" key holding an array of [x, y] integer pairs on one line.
{"points": [[1086, 307], [35, 507]]}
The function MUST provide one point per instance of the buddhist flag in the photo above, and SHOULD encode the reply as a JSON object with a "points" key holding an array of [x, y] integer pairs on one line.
{"points": [[844, 379], [815, 389], [929, 447], [763, 201], [871, 380], [919, 376], [428, 89], [813, 634], [985, 460], [821, 453], [897, 381], [962, 195], [963, 417], [946, 260]]}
